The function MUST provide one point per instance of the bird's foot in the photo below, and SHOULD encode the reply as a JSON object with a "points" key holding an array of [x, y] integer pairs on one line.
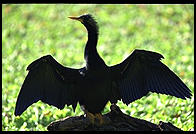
{"points": [[96, 119], [90, 117], [100, 118]]}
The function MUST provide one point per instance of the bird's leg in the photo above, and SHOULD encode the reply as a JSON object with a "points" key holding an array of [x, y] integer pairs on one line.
{"points": [[91, 117], [100, 118], [95, 119]]}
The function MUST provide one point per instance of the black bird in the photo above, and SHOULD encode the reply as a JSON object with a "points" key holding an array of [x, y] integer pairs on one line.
{"points": [[96, 83]]}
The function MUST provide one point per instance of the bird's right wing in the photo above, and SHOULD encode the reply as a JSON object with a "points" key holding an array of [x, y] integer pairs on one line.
{"points": [[49, 82]]}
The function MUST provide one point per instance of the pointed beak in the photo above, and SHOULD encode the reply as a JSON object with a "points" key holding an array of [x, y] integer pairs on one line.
{"points": [[75, 18]]}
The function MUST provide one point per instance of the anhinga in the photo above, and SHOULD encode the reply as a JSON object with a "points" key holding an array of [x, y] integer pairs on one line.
{"points": [[96, 83]]}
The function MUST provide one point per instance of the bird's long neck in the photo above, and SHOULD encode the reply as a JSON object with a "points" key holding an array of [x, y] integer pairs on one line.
{"points": [[91, 55], [90, 48]]}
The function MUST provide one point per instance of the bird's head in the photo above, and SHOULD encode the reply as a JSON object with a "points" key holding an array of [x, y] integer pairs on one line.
{"points": [[87, 20]]}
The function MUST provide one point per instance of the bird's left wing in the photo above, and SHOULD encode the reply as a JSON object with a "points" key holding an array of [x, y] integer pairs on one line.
{"points": [[143, 72], [49, 82]]}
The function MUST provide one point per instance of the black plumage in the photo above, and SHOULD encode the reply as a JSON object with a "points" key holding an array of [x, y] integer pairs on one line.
{"points": [[96, 83]]}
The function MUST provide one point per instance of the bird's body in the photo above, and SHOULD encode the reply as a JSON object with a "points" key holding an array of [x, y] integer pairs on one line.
{"points": [[92, 86], [96, 83]]}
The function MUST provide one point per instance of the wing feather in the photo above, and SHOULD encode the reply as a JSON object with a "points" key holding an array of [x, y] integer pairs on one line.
{"points": [[49, 82], [143, 72]]}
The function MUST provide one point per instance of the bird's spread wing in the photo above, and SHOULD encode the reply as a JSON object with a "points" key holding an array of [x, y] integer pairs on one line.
{"points": [[142, 72], [49, 82]]}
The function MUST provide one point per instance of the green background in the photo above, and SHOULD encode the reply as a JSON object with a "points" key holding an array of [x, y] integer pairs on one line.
{"points": [[32, 31]]}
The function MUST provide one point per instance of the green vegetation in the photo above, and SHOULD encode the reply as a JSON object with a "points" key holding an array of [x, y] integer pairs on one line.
{"points": [[32, 31]]}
